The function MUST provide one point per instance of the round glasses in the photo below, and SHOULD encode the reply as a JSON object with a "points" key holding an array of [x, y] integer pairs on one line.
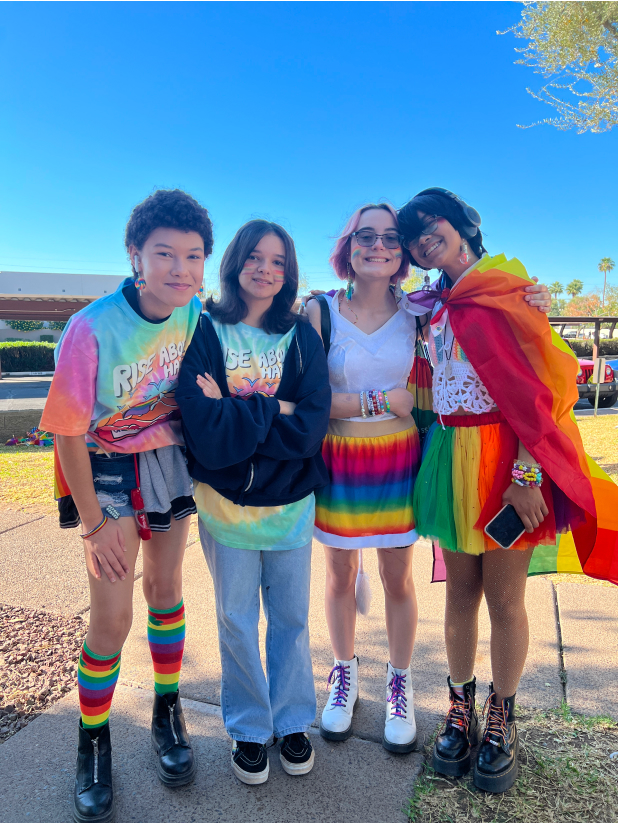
{"points": [[366, 237], [429, 227]]}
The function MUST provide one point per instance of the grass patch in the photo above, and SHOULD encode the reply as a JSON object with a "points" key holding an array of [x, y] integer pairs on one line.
{"points": [[27, 478], [565, 776], [600, 438]]}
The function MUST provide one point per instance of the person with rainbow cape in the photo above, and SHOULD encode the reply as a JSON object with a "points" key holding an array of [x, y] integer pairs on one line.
{"points": [[503, 390]]}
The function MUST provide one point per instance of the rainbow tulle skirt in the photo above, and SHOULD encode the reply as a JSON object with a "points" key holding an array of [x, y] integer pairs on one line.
{"points": [[465, 471], [368, 503]]}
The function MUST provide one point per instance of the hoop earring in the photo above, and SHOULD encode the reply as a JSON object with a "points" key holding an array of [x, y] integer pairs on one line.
{"points": [[464, 257], [140, 284], [349, 291]]}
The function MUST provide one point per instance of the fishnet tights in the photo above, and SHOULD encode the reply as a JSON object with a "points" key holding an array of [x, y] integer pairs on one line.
{"points": [[501, 576]]}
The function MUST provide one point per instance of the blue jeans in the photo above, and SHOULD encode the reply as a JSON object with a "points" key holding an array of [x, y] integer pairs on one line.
{"points": [[256, 706]]}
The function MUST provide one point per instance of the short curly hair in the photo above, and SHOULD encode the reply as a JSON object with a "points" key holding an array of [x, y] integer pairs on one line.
{"points": [[168, 209]]}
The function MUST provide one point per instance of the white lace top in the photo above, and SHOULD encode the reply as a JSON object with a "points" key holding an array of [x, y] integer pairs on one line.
{"points": [[381, 360], [456, 385]]}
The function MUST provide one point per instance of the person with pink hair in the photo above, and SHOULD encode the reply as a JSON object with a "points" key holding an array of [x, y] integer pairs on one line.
{"points": [[372, 452]]}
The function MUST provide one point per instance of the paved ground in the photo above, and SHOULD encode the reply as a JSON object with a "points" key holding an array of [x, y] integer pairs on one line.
{"points": [[356, 779]]}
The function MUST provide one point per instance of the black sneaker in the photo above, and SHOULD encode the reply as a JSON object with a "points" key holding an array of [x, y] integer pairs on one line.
{"points": [[250, 762], [297, 755]]}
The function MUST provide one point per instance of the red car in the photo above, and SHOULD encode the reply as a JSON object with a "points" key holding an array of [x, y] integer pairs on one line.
{"points": [[608, 390]]}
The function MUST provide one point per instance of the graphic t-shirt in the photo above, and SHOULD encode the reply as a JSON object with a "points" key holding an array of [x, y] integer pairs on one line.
{"points": [[116, 375], [253, 363]]}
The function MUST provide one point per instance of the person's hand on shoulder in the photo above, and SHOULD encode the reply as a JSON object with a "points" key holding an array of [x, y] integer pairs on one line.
{"points": [[209, 386], [539, 296]]}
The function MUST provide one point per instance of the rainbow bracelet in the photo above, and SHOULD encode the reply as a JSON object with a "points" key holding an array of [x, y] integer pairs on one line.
{"points": [[386, 402], [95, 530], [525, 474]]}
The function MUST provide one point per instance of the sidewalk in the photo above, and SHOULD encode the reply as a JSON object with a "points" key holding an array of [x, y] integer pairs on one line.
{"points": [[357, 779]]}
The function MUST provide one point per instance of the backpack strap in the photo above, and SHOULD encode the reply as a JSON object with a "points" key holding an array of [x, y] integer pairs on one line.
{"points": [[325, 323]]}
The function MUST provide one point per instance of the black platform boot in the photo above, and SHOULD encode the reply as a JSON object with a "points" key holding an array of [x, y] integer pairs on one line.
{"points": [[452, 749], [176, 762], [496, 767], [93, 798]]}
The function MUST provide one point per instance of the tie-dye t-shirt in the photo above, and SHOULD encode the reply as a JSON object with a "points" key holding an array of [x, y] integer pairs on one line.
{"points": [[253, 363], [116, 375]]}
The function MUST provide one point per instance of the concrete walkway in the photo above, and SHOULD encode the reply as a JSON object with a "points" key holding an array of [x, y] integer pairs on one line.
{"points": [[572, 625]]}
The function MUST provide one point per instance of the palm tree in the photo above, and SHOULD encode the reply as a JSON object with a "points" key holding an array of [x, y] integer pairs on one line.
{"points": [[606, 265], [574, 288], [555, 288]]}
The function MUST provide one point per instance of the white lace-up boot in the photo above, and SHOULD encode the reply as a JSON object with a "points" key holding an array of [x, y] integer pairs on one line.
{"points": [[336, 723], [400, 726]]}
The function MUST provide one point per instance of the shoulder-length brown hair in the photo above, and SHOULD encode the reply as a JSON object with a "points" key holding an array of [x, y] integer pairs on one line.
{"points": [[231, 308]]}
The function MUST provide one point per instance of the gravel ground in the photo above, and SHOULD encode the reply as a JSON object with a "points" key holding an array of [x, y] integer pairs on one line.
{"points": [[39, 652]]}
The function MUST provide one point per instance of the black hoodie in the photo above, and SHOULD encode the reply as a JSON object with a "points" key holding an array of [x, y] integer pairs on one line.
{"points": [[245, 449]]}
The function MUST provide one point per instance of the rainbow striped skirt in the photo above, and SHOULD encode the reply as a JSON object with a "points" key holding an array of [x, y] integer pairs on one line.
{"points": [[372, 468]]}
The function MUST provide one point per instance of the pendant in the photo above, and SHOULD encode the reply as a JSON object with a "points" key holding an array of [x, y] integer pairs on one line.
{"points": [[448, 371]]}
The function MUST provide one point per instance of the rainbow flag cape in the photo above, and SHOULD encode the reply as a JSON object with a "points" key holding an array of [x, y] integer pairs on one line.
{"points": [[503, 338]]}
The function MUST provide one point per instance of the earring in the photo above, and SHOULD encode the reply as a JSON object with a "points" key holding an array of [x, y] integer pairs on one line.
{"points": [[349, 291], [398, 290], [202, 291], [464, 257], [140, 284]]}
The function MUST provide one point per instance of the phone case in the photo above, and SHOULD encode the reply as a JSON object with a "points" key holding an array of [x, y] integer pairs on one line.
{"points": [[498, 528]]}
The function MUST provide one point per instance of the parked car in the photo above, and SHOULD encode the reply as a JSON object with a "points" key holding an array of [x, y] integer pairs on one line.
{"points": [[608, 389]]}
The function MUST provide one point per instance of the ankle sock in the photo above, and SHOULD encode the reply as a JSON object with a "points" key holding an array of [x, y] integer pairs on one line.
{"points": [[166, 638], [458, 688], [96, 680]]}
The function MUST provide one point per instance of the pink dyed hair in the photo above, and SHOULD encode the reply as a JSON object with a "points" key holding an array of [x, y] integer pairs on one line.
{"points": [[340, 254]]}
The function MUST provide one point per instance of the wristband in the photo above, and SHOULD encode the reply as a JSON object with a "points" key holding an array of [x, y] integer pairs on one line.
{"points": [[96, 529], [525, 474]]}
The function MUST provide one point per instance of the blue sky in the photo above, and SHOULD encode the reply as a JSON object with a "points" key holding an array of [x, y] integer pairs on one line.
{"points": [[297, 112]]}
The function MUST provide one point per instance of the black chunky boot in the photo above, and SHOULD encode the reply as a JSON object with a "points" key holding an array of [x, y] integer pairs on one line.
{"points": [[176, 762], [453, 747], [93, 798], [496, 767]]}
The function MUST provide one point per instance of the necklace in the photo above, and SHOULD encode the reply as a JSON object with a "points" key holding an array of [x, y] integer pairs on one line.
{"points": [[349, 302]]}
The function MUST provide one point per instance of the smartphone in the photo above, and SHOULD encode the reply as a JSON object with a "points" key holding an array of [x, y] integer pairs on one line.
{"points": [[506, 527]]}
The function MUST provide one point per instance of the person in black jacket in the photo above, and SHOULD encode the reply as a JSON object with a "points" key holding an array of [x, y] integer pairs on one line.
{"points": [[255, 402]]}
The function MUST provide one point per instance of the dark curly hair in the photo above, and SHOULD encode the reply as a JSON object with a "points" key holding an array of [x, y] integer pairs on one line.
{"points": [[168, 209], [231, 308], [410, 224]]}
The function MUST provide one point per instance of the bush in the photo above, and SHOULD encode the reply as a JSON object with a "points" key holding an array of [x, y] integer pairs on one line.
{"points": [[583, 348], [24, 325], [27, 356]]}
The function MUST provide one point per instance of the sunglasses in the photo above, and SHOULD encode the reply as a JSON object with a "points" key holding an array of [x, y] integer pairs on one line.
{"points": [[366, 237], [429, 227]]}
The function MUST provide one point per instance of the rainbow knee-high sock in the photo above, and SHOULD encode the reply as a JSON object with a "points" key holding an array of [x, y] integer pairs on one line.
{"points": [[166, 638], [96, 680]]}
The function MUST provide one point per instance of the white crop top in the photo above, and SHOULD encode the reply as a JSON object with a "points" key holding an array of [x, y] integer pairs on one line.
{"points": [[381, 360], [456, 385]]}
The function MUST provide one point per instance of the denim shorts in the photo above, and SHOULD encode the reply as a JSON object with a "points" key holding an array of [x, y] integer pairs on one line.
{"points": [[114, 478]]}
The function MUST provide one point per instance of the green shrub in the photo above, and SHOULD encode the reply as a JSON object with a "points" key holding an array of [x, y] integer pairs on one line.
{"points": [[27, 356], [583, 348], [24, 325]]}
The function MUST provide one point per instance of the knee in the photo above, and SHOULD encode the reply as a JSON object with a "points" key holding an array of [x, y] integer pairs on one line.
{"points": [[397, 587], [109, 634], [160, 592], [504, 608], [341, 580]]}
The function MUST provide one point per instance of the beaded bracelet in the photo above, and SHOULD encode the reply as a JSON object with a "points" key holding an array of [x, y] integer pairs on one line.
{"points": [[96, 529], [362, 405], [387, 402], [524, 474]]}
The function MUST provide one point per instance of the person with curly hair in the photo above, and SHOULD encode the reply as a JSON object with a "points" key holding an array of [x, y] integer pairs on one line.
{"points": [[120, 458]]}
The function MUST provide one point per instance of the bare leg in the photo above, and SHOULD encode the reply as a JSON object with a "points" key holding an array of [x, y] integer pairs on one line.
{"points": [[341, 570], [163, 556], [111, 604], [504, 581], [464, 591], [400, 603]]}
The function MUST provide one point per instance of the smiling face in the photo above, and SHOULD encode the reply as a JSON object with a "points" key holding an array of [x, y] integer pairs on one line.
{"points": [[441, 248], [376, 261], [172, 264], [263, 274]]}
